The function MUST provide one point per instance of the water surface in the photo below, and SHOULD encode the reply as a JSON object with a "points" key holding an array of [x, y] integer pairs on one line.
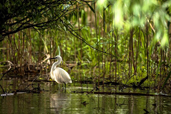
{"points": [[57, 101]]}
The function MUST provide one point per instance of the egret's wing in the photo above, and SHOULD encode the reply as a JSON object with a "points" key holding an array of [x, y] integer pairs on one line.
{"points": [[61, 76], [64, 75]]}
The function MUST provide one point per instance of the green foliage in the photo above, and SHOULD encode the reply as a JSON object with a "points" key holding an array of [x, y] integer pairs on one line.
{"points": [[129, 14], [107, 40]]}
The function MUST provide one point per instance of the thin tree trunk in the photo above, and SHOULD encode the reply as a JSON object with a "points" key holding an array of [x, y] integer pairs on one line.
{"points": [[116, 59], [147, 50], [130, 54]]}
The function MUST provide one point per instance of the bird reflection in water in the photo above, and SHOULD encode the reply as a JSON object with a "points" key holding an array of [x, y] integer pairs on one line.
{"points": [[59, 101]]}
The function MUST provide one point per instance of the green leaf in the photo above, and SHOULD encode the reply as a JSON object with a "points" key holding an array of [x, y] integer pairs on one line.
{"points": [[118, 14], [165, 40]]}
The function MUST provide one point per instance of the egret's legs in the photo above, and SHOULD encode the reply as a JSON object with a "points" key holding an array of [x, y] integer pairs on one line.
{"points": [[65, 86], [59, 86]]}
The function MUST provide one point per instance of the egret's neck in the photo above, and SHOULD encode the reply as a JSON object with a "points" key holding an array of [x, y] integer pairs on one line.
{"points": [[56, 63]]}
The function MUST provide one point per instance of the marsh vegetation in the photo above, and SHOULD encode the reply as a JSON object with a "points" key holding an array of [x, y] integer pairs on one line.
{"points": [[115, 44]]}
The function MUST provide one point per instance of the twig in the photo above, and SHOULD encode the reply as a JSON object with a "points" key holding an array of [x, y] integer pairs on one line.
{"points": [[9, 64], [47, 58], [2, 89], [151, 26]]}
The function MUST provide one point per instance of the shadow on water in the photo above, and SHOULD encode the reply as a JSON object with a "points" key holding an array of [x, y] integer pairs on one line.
{"points": [[49, 98]]}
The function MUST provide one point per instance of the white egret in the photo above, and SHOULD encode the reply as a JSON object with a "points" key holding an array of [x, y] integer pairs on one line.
{"points": [[58, 74]]}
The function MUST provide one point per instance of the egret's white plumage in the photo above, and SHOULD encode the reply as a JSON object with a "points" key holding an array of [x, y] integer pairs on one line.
{"points": [[58, 74]]}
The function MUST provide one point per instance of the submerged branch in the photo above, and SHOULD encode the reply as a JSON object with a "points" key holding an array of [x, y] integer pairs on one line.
{"points": [[121, 93]]}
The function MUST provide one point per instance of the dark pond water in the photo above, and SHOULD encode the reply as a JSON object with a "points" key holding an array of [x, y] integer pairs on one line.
{"points": [[56, 101]]}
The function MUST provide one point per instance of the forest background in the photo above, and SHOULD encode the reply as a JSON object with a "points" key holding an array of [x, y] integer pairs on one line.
{"points": [[104, 41]]}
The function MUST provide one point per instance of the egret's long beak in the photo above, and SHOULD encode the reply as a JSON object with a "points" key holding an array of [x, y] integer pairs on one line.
{"points": [[53, 58]]}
